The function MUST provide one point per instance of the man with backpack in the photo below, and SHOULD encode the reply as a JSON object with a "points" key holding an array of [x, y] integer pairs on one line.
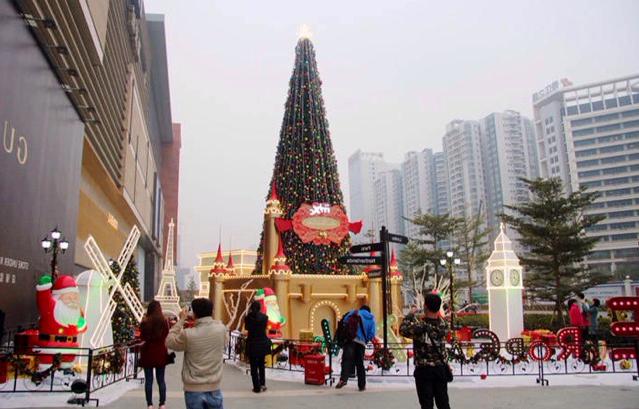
{"points": [[354, 331]]}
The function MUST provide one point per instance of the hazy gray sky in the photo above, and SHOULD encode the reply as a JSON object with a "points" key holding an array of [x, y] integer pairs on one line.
{"points": [[394, 74]]}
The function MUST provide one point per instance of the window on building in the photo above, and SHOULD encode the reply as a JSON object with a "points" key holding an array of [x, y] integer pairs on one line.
{"points": [[584, 132], [599, 255], [621, 214], [620, 203], [597, 105], [622, 226], [609, 149], [584, 108], [624, 236], [628, 114], [608, 128], [633, 252], [623, 101], [618, 192], [581, 122], [605, 118], [616, 181], [613, 159], [615, 170], [589, 173], [611, 103], [572, 110]]}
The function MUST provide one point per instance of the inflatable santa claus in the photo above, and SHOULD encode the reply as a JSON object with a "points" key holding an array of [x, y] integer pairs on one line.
{"points": [[61, 319], [268, 299]]}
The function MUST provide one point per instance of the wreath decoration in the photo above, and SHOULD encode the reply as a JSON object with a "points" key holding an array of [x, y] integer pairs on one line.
{"points": [[383, 358]]}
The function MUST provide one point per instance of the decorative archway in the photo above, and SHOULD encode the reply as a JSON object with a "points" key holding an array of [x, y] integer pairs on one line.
{"points": [[324, 309]]}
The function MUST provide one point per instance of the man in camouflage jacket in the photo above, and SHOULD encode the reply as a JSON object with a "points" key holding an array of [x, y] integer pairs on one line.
{"points": [[428, 333]]}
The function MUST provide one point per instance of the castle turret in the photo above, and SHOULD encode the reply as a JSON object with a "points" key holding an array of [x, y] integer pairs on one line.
{"points": [[393, 267], [272, 211], [219, 267], [230, 266], [279, 261]]}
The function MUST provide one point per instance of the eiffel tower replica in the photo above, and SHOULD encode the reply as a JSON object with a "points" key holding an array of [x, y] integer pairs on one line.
{"points": [[167, 291]]}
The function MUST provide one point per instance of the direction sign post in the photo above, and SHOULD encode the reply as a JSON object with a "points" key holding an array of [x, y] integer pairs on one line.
{"points": [[361, 260], [384, 238], [396, 238], [367, 248]]}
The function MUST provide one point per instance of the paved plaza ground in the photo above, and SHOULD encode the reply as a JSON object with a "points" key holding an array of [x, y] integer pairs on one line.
{"points": [[236, 387]]}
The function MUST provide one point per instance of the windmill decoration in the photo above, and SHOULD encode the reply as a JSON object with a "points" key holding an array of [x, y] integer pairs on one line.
{"points": [[114, 283], [167, 291]]}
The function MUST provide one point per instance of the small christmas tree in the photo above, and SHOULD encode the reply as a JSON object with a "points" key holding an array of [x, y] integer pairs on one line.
{"points": [[305, 168], [123, 320]]}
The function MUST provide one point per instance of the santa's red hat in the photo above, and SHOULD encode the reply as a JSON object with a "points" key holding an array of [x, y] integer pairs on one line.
{"points": [[63, 285], [268, 292]]}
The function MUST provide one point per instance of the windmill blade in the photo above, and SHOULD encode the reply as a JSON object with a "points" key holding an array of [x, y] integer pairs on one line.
{"points": [[98, 260], [132, 300], [103, 324], [129, 247]]}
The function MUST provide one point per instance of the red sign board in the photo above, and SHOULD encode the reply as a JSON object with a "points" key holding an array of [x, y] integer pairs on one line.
{"points": [[320, 223]]}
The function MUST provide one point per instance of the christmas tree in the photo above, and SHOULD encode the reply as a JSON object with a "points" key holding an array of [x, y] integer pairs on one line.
{"points": [[123, 320], [305, 169]]}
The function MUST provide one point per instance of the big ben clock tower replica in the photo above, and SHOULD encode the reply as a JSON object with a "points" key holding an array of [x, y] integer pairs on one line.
{"points": [[505, 289]]}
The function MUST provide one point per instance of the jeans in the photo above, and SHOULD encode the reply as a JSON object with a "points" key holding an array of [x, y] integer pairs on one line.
{"points": [[430, 382], [353, 355], [258, 372], [204, 400], [148, 384]]}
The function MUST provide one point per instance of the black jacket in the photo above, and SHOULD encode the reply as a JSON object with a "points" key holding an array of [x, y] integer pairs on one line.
{"points": [[257, 343]]}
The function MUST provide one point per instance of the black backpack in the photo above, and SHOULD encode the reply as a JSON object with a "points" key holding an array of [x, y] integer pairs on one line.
{"points": [[347, 329]]}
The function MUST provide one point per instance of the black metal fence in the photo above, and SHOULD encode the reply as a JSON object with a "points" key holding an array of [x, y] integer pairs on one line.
{"points": [[478, 358], [90, 371]]}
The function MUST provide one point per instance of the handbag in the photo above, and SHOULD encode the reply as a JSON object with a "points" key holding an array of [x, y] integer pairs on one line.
{"points": [[448, 372], [170, 358]]}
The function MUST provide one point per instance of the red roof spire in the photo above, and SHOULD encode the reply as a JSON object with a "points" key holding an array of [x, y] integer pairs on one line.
{"points": [[230, 263], [219, 258], [393, 267], [274, 195], [280, 249], [279, 261]]}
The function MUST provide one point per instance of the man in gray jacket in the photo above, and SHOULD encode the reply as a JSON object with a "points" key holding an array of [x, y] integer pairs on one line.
{"points": [[203, 346]]}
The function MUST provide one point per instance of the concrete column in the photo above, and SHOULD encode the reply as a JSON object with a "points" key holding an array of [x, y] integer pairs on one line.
{"points": [[216, 295], [271, 238], [281, 284], [396, 291], [375, 297]]}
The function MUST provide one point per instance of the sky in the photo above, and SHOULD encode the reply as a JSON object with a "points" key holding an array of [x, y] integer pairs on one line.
{"points": [[394, 74]]}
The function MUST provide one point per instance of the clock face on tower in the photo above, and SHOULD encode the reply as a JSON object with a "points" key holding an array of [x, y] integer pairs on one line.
{"points": [[514, 278], [497, 278]]}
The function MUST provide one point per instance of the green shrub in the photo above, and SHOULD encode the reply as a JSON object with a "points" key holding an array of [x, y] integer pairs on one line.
{"points": [[531, 322], [472, 320]]}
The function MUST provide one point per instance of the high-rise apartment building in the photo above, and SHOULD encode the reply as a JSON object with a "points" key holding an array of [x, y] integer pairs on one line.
{"points": [[551, 144], [388, 200], [462, 147], [419, 187], [508, 154], [599, 127], [442, 197], [363, 168]]}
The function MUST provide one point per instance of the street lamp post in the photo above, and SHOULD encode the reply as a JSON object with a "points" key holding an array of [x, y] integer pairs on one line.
{"points": [[449, 261], [53, 243]]}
